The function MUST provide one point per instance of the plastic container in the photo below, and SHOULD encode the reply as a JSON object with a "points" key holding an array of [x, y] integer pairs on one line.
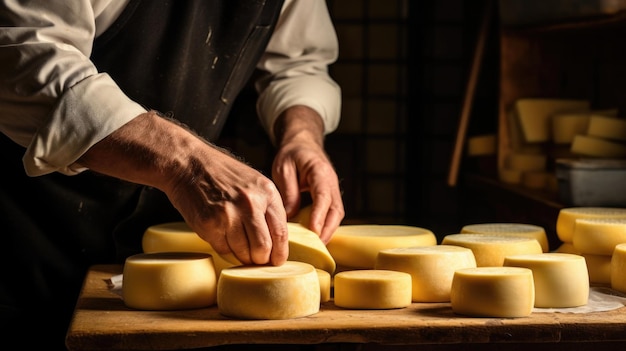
{"points": [[592, 182]]}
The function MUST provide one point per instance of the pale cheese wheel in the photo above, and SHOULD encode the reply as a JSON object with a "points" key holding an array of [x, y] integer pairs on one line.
{"points": [[561, 280], [490, 250], [306, 246], [325, 284], [357, 245], [597, 147], [431, 268], [618, 268], [372, 289], [534, 115], [598, 236], [481, 145], [291, 290], [525, 162], [505, 292], [169, 281], [607, 127], [510, 229], [566, 220], [599, 268], [510, 176]]}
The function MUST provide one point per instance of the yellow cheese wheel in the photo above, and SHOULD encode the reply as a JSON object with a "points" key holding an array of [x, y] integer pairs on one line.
{"points": [[510, 229], [525, 162], [372, 289], [303, 216], [618, 268], [510, 176], [325, 284], [431, 268], [607, 127], [490, 250], [598, 236], [599, 268], [306, 246], [481, 145], [534, 115], [291, 290], [357, 245], [169, 281], [505, 292], [566, 220], [597, 147], [561, 280]]}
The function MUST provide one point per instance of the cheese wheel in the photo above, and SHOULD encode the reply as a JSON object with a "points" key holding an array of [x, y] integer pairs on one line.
{"points": [[357, 245], [525, 162], [169, 281], [598, 236], [306, 246], [291, 290], [597, 147], [431, 268], [303, 216], [372, 289], [607, 127], [561, 280], [567, 248], [534, 115], [490, 250], [510, 229], [504, 292], [599, 268], [325, 284], [618, 268], [481, 145], [566, 220], [510, 176], [565, 126]]}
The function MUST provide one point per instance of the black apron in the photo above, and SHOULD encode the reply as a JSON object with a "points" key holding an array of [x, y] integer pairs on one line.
{"points": [[186, 59]]}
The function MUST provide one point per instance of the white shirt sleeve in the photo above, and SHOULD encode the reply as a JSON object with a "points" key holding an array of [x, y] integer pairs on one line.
{"points": [[53, 100], [296, 63]]}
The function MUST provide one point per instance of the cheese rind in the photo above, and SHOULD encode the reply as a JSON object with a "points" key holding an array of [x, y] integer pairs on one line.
{"points": [[169, 281], [598, 236], [325, 284], [357, 246], [291, 290], [372, 289], [561, 280], [505, 292], [490, 250], [510, 229], [566, 219], [618, 268], [431, 268]]}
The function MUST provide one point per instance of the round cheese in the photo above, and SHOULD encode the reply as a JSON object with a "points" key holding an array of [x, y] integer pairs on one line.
{"points": [[357, 246], [490, 250], [169, 281], [291, 290], [431, 268], [567, 217], [306, 246], [598, 236], [481, 145], [325, 284], [510, 229], [561, 280], [372, 289], [597, 147], [599, 268], [565, 126], [505, 292], [567, 248], [618, 268]]}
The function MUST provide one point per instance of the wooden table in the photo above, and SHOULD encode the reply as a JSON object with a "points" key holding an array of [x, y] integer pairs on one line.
{"points": [[102, 322]]}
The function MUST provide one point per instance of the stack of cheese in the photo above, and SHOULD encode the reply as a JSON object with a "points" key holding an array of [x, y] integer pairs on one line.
{"points": [[592, 232]]}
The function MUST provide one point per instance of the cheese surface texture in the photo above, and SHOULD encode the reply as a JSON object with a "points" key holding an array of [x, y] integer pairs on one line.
{"points": [[306, 246], [372, 289], [561, 280], [505, 292], [510, 229], [169, 281], [618, 268], [291, 290], [357, 246], [566, 220], [431, 268], [490, 250], [598, 236]]}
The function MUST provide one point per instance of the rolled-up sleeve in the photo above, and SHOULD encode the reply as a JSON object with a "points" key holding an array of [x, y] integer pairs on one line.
{"points": [[295, 65], [53, 100]]}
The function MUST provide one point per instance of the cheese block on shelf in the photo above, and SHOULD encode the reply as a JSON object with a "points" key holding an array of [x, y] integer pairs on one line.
{"points": [[505, 292], [291, 290], [169, 281], [599, 268], [372, 289], [357, 245], [510, 229], [618, 268], [561, 280], [598, 147], [490, 250], [481, 145], [567, 217], [565, 126], [431, 268], [598, 236], [534, 115], [606, 127]]}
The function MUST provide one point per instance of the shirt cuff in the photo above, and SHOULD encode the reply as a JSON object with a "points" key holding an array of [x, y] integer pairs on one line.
{"points": [[85, 114]]}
